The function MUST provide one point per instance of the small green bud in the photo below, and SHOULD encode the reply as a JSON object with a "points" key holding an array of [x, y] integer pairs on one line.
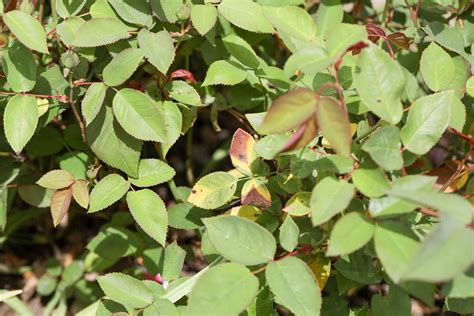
{"points": [[70, 59], [27, 7], [184, 12]]}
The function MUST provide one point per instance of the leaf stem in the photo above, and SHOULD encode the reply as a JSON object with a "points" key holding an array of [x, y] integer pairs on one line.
{"points": [[369, 132], [72, 103]]}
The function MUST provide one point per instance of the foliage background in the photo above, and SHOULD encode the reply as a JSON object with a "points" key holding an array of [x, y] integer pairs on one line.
{"points": [[236, 157]]}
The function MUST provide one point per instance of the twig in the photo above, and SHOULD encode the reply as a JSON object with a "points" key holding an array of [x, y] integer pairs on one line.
{"points": [[189, 155], [72, 103], [458, 173], [303, 249], [61, 98]]}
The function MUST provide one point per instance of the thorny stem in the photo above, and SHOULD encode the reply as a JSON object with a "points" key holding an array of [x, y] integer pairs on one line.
{"points": [[72, 103]]}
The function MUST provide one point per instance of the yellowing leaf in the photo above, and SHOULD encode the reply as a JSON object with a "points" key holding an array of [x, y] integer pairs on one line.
{"points": [[213, 191], [80, 192], [248, 211], [60, 203], [242, 152], [321, 267], [255, 192], [56, 179]]}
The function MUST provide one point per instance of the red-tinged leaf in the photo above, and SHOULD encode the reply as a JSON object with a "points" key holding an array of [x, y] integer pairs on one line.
{"points": [[374, 31], [400, 40], [255, 192], [183, 73], [356, 48], [60, 203], [303, 135], [242, 152], [289, 111], [333, 121]]}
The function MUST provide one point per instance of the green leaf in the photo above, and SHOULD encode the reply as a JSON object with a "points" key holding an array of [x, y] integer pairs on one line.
{"points": [[134, 11], [152, 172], [161, 307], [458, 115], [380, 83], [226, 289], [333, 121], [204, 17], [448, 37], [173, 123], [462, 72], [68, 8], [112, 144], [186, 216], [100, 32], [289, 111], [395, 245], [436, 67], [122, 66], [310, 60], [294, 286], [391, 205], [126, 290], [213, 190], [289, 234], [461, 287], [292, 21], [343, 36], [223, 72], [371, 182], [149, 212], [329, 197], [427, 119], [20, 67], [383, 146], [107, 191], [443, 255], [27, 30], [397, 302], [241, 240], [139, 115], [35, 195], [185, 93], [351, 232], [450, 205], [329, 15], [67, 30], [92, 101], [470, 86], [173, 261], [245, 14], [240, 50], [20, 120], [298, 204], [158, 48], [56, 179], [359, 267], [166, 10]]}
